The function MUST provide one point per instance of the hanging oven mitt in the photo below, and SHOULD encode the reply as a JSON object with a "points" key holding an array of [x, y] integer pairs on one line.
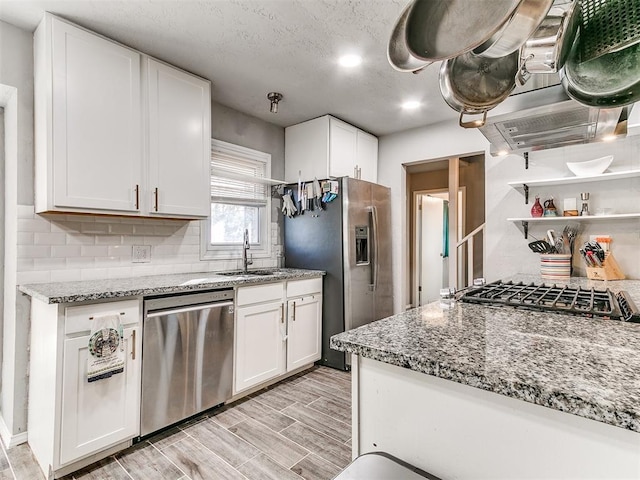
{"points": [[288, 208], [106, 348]]}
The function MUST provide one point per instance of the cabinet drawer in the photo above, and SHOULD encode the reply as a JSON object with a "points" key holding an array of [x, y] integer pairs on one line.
{"points": [[295, 288], [78, 318], [259, 293]]}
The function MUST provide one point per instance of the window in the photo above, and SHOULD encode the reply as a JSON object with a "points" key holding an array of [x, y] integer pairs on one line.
{"points": [[239, 200]]}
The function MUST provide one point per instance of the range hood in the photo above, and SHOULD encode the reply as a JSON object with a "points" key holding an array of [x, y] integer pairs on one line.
{"points": [[548, 118]]}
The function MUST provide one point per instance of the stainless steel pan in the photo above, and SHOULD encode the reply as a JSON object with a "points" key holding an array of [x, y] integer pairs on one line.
{"points": [[516, 30], [473, 85], [398, 53], [547, 49], [443, 29]]}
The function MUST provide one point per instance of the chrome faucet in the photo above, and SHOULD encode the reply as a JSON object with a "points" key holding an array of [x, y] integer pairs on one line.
{"points": [[245, 246]]}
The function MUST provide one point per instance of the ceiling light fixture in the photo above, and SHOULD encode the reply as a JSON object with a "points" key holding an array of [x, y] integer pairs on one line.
{"points": [[274, 98], [350, 60], [411, 105]]}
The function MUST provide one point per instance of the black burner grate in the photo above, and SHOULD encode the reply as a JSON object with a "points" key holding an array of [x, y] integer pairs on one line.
{"points": [[559, 298]]}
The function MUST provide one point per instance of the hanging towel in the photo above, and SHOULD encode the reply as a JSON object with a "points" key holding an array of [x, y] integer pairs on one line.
{"points": [[106, 348]]}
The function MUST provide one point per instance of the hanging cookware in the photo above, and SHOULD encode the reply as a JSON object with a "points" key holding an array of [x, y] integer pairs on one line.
{"points": [[443, 29], [546, 50], [514, 32], [398, 53], [608, 26], [606, 80], [473, 85]]}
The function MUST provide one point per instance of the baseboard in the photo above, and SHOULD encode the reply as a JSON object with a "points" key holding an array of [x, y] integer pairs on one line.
{"points": [[8, 439]]}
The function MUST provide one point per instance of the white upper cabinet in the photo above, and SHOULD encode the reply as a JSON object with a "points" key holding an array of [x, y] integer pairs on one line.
{"points": [[88, 121], [179, 139], [98, 150], [367, 156], [327, 147]]}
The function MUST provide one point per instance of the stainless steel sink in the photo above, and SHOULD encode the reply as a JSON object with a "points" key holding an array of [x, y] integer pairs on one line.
{"points": [[250, 273]]}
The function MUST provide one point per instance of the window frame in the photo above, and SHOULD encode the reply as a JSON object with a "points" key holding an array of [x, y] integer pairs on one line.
{"points": [[210, 251]]}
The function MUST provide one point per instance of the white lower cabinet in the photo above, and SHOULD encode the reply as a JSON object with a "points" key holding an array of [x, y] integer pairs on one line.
{"points": [[260, 344], [73, 422], [99, 414], [278, 329], [304, 325]]}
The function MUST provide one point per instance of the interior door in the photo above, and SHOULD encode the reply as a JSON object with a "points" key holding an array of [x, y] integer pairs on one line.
{"points": [[433, 244]]}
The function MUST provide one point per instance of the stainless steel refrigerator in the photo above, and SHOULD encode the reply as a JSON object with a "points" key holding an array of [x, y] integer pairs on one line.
{"points": [[350, 239]]}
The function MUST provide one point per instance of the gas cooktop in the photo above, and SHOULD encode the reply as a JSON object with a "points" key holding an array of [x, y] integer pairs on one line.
{"points": [[588, 302]]}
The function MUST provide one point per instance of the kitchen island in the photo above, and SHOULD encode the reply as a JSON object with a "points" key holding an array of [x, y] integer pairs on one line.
{"points": [[467, 391]]}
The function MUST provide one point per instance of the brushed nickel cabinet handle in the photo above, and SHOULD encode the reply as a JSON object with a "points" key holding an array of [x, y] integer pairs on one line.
{"points": [[137, 197], [133, 345], [282, 313], [155, 199], [294, 312]]}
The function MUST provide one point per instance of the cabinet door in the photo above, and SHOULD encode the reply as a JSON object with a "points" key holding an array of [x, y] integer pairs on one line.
{"points": [[367, 156], [260, 337], [342, 148], [96, 123], [304, 319], [99, 414], [179, 142]]}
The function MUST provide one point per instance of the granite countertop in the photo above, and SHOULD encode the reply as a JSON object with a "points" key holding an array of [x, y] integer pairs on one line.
{"points": [[584, 366], [69, 292]]}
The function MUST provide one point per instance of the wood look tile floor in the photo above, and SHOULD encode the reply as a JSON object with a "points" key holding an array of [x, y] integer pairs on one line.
{"points": [[298, 428]]}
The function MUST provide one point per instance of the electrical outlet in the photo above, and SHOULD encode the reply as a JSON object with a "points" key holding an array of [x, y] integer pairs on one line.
{"points": [[141, 254]]}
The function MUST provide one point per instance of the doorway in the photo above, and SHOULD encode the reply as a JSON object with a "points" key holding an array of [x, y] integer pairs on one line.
{"points": [[431, 244], [438, 224]]}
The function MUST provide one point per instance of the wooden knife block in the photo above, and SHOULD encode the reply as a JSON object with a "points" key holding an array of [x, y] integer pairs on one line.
{"points": [[610, 270]]}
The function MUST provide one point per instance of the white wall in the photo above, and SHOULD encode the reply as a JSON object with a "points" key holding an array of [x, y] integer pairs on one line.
{"points": [[507, 252], [437, 141]]}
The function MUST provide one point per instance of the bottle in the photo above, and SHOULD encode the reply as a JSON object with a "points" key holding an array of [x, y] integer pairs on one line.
{"points": [[550, 209], [536, 210]]}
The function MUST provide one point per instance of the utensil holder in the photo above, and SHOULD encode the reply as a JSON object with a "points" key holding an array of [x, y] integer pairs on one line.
{"points": [[555, 266], [610, 270]]}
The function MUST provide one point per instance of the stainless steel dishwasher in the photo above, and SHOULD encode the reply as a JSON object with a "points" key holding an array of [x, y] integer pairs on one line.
{"points": [[187, 356]]}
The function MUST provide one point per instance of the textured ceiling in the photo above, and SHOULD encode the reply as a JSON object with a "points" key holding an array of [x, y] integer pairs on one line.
{"points": [[251, 47]]}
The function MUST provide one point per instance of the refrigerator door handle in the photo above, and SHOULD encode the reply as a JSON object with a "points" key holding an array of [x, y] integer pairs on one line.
{"points": [[374, 263]]}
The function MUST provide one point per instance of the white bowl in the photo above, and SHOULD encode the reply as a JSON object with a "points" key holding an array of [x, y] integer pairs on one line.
{"points": [[590, 167]]}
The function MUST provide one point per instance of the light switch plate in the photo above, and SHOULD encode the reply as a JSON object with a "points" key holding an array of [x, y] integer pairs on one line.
{"points": [[141, 254]]}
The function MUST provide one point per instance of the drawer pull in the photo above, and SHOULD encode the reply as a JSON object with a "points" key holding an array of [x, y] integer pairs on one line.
{"points": [[293, 316], [133, 345]]}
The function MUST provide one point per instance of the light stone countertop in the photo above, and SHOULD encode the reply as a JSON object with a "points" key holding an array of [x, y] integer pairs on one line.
{"points": [[70, 292], [584, 366]]}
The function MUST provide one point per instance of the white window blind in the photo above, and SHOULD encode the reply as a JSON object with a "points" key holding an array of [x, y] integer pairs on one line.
{"points": [[232, 179]]}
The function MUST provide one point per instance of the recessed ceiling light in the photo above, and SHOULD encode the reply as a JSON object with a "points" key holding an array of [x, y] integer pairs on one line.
{"points": [[350, 60], [411, 105]]}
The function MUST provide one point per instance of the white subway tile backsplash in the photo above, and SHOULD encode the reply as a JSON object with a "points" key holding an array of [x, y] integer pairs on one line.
{"points": [[49, 263], [66, 275], [95, 228], [94, 250], [85, 247], [25, 238], [121, 229], [34, 251], [93, 274], [33, 225], [33, 277], [50, 238], [66, 251]]}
